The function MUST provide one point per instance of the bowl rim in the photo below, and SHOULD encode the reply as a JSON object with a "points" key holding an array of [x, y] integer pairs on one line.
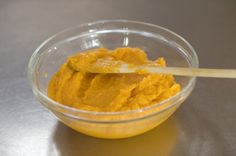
{"points": [[37, 91]]}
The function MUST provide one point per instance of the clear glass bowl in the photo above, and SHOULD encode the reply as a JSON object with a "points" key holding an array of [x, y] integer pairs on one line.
{"points": [[155, 40]]}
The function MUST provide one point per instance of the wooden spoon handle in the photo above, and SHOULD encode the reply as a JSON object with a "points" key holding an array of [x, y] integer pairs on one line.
{"points": [[198, 72]]}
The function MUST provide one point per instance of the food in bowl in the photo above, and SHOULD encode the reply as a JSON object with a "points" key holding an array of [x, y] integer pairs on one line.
{"points": [[155, 40], [75, 86]]}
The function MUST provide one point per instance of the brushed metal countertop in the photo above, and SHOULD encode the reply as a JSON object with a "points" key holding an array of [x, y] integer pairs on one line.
{"points": [[204, 125]]}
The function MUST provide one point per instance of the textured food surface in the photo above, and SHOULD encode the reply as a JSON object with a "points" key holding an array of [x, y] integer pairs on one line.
{"points": [[75, 86]]}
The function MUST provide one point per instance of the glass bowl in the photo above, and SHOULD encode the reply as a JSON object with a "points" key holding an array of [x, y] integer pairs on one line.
{"points": [[155, 40]]}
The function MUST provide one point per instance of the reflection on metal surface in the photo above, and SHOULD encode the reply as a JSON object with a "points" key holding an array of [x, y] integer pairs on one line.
{"points": [[182, 134], [159, 141], [196, 137]]}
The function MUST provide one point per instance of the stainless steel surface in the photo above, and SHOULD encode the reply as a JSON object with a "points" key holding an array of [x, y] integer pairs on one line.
{"points": [[205, 123]]}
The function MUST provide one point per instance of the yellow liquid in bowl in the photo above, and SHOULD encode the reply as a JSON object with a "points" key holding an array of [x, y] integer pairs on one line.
{"points": [[116, 130]]}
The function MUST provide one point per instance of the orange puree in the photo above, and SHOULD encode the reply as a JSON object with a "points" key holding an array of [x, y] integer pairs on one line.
{"points": [[73, 85]]}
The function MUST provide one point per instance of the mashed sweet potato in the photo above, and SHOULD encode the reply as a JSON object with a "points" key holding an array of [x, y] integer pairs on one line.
{"points": [[73, 85]]}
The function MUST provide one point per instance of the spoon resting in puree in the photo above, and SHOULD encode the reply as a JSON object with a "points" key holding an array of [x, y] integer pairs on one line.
{"points": [[75, 85]]}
